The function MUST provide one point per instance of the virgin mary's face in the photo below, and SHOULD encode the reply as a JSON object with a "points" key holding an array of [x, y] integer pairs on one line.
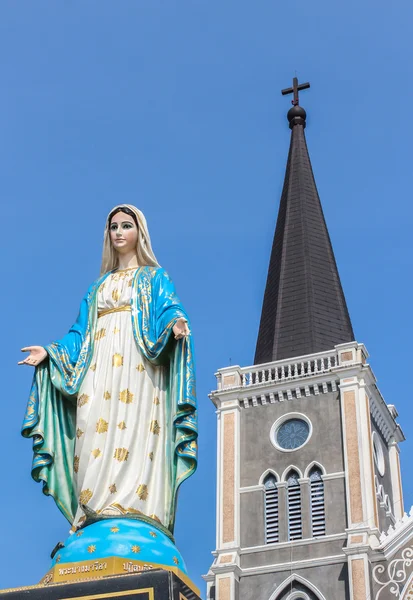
{"points": [[123, 233]]}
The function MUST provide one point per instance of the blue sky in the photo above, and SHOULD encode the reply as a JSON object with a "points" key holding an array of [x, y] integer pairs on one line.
{"points": [[175, 106]]}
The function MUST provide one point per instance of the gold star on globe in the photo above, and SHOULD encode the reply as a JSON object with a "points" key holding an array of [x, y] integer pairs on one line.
{"points": [[176, 560], [114, 529], [91, 549], [136, 549], [153, 534]]}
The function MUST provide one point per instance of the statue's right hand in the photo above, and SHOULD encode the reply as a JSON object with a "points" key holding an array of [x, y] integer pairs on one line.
{"points": [[36, 356]]}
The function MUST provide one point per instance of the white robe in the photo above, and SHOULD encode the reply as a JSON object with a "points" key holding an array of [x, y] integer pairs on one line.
{"points": [[122, 426]]}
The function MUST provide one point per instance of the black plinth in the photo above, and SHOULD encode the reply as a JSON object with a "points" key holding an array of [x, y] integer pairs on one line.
{"points": [[156, 584]]}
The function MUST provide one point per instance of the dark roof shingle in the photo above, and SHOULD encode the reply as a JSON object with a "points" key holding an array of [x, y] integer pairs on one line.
{"points": [[304, 309]]}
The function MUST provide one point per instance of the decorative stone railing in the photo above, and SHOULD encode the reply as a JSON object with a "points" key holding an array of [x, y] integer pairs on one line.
{"points": [[291, 369], [287, 370]]}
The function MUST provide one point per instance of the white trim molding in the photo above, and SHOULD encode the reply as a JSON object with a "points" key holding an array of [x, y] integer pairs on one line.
{"points": [[315, 464], [264, 475], [337, 475], [287, 470], [305, 542], [299, 579]]}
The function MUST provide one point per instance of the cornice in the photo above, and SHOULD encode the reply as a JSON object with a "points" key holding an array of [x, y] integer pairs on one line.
{"points": [[295, 543]]}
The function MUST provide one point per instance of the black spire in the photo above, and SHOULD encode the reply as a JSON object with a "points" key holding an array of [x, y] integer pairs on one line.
{"points": [[304, 309]]}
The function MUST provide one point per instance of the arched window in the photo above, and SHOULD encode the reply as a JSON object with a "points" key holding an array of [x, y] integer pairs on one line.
{"points": [[271, 509], [295, 530], [318, 516]]}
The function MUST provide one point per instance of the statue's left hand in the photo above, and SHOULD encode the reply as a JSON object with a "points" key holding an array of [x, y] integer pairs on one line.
{"points": [[181, 328]]}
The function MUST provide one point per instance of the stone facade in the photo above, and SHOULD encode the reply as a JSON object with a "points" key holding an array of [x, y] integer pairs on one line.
{"points": [[352, 443]]}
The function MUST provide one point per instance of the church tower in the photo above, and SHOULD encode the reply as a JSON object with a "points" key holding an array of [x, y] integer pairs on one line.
{"points": [[309, 496]]}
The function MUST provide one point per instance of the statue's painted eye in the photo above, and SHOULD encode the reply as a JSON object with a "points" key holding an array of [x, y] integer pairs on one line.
{"points": [[113, 227], [127, 226]]}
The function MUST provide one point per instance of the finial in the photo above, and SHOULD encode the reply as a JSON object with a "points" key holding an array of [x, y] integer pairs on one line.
{"points": [[296, 115]]}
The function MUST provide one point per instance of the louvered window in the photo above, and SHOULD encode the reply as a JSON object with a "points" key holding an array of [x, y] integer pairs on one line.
{"points": [[271, 509], [295, 530], [318, 516]]}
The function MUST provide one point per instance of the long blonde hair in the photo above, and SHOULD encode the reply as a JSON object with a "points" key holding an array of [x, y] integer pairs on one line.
{"points": [[144, 252]]}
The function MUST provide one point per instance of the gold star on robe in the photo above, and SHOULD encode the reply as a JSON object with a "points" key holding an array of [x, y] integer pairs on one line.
{"points": [[112, 488], [82, 400], [102, 426], [76, 464], [79, 433], [100, 334], [142, 491], [155, 427], [156, 400], [107, 396], [117, 360], [85, 496], [140, 368], [122, 425], [116, 295], [126, 396], [96, 452], [121, 454]]}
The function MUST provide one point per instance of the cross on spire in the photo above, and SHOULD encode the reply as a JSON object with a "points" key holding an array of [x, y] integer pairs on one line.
{"points": [[294, 90]]}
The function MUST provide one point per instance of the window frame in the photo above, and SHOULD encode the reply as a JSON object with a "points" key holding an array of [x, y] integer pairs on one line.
{"points": [[280, 421]]}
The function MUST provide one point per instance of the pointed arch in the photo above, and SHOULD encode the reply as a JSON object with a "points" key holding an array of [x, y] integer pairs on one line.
{"points": [[311, 466], [291, 468], [268, 472], [299, 579]]}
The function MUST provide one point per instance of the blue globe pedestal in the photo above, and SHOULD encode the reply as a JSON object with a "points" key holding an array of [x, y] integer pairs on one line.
{"points": [[134, 544], [115, 555]]}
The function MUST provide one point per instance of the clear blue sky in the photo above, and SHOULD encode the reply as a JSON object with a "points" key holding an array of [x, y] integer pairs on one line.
{"points": [[175, 106]]}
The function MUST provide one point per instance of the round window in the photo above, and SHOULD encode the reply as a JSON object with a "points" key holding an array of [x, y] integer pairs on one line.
{"points": [[378, 454], [291, 432]]}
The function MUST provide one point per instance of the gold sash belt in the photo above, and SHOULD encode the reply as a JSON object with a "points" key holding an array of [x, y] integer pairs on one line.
{"points": [[102, 313]]}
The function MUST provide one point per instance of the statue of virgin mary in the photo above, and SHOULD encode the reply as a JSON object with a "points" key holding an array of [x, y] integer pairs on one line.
{"points": [[112, 408]]}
